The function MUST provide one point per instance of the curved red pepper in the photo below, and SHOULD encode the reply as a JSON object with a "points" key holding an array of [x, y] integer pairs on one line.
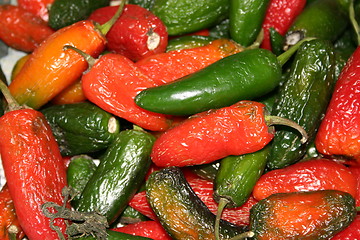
{"points": [[355, 170], [339, 131], [311, 175], [212, 135], [34, 169], [113, 82], [204, 190], [8, 216], [21, 29], [136, 34], [150, 229], [280, 15], [37, 7]]}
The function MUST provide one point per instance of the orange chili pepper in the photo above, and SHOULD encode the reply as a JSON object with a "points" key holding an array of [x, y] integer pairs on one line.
{"points": [[49, 70], [71, 94]]}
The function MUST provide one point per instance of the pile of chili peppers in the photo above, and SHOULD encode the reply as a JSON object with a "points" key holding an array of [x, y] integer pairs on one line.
{"points": [[164, 119]]}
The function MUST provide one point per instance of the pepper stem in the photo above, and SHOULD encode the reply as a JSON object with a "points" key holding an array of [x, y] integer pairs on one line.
{"points": [[105, 28], [354, 22], [221, 206], [11, 101], [244, 235], [285, 56], [89, 59], [258, 40], [276, 120]]}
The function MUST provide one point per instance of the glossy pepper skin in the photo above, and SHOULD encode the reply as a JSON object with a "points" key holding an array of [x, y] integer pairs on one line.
{"points": [[8, 216], [50, 69], [339, 130], [279, 15], [115, 93], [136, 34], [21, 29], [150, 229], [309, 175], [351, 232], [212, 135], [302, 215], [167, 67], [34, 169], [37, 7]]}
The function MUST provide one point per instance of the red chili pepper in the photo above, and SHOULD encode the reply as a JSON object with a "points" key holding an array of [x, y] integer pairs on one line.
{"points": [[339, 131], [355, 170], [8, 218], [37, 7], [136, 34], [352, 232], [150, 229], [21, 29], [212, 135], [113, 82], [34, 169], [204, 189], [167, 67], [311, 175], [280, 15]]}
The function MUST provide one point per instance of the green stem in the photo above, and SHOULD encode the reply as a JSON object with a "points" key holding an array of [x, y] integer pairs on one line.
{"points": [[258, 40], [244, 235], [89, 59], [11, 101], [275, 120], [285, 56], [105, 28], [354, 22], [221, 206]]}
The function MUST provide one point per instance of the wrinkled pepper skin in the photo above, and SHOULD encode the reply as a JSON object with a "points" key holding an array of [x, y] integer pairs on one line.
{"points": [[205, 137], [115, 93], [351, 232], [307, 89], [34, 170], [242, 76], [150, 229], [280, 14], [245, 20], [50, 69], [339, 130], [310, 175], [167, 67], [8, 216], [136, 34], [187, 16], [21, 29], [37, 7], [180, 211], [302, 215]]}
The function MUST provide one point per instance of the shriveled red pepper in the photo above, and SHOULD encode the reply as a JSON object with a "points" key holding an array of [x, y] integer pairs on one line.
{"points": [[37, 7], [21, 29], [280, 15], [351, 232], [208, 136], [204, 190], [9, 224], [33, 167], [112, 83], [167, 67], [339, 131], [136, 34], [310, 175], [150, 229], [50, 69]]}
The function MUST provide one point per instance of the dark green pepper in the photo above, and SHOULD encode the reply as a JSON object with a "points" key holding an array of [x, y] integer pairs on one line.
{"points": [[303, 98], [63, 13], [302, 215], [186, 42], [324, 19], [246, 18], [242, 76], [186, 16], [147, 4], [220, 30], [179, 209], [206, 171], [81, 128], [121, 172]]}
